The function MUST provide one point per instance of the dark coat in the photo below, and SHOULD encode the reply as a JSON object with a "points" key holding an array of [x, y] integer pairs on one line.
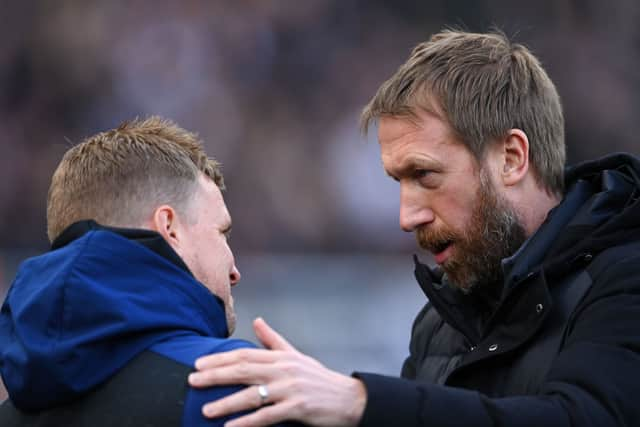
{"points": [[558, 346]]}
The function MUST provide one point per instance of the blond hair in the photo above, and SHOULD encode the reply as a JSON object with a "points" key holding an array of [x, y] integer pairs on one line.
{"points": [[482, 85], [116, 177]]}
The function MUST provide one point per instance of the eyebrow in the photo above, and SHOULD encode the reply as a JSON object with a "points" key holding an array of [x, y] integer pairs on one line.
{"points": [[411, 164]]}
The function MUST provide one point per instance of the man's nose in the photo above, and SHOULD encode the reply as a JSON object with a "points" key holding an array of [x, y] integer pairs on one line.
{"points": [[234, 276], [414, 209]]}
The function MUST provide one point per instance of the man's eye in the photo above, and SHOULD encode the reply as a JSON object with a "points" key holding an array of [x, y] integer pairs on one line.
{"points": [[227, 234], [420, 173]]}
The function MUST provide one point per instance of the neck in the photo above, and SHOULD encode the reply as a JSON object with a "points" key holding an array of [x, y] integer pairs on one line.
{"points": [[534, 208]]}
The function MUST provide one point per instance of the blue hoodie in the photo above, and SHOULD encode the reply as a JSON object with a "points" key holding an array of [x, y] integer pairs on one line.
{"points": [[76, 315]]}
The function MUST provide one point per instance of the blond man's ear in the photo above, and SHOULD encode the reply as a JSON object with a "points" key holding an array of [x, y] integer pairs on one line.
{"points": [[166, 221]]}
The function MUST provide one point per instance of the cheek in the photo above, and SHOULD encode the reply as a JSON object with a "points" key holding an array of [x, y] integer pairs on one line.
{"points": [[220, 259], [457, 210], [207, 258], [455, 206]]}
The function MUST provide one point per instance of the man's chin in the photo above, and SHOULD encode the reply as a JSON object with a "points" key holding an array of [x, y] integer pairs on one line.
{"points": [[456, 277], [231, 325], [231, 319]]}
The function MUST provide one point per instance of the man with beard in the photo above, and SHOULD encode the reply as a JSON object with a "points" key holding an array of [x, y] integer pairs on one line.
{"points": [[533, 311]]}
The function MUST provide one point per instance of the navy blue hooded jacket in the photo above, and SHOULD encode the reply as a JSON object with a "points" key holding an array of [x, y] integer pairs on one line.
{"points": [[77, 315]]}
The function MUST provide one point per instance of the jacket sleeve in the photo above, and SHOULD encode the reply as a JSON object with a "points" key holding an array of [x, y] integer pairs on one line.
{"points": [[593, 381]]}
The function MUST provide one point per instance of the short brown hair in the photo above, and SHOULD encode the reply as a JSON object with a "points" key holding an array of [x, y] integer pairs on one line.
{"points": [[117, 176], [482, 85]]}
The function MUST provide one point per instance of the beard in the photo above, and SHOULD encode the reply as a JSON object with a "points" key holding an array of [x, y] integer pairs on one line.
{"points": [[494, 232]]}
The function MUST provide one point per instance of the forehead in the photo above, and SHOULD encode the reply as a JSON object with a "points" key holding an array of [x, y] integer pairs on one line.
{"points": [[426, 140]]}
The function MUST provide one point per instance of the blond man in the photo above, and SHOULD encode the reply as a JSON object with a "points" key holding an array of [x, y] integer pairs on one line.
{"points": [[104, 329]]}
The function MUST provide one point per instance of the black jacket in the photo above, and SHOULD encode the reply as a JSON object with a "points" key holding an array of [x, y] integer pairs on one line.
{"points": [[560, 346]]}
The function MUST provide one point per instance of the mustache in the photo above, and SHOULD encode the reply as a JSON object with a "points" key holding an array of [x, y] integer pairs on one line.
{"points": [[435, 240]]}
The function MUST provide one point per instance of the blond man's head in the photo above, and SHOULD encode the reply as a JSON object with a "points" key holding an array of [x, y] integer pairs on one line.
{"points": [[119, 176]]}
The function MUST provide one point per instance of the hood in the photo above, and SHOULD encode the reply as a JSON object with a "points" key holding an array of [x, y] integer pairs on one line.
{"points": [[601, 209], [76, 315], [611, 214]]}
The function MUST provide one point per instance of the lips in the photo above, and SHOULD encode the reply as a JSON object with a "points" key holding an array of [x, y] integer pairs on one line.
{"points": [[443, 252], [437, 241], [440, 246]]}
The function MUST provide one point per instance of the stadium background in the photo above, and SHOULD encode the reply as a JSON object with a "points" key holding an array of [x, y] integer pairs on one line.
{"points": [[274, 88]]}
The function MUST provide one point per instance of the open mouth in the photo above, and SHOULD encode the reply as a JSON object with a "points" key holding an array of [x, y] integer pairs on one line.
{"points": [[440, 247], [442, 251]]}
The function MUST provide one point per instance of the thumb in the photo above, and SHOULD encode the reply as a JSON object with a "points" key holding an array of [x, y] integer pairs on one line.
{"points": [[269, 337]]}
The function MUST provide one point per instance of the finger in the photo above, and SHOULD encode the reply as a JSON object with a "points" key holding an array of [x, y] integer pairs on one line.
{"points": [[233, 357], [265, 416], [269, 337], [244, 373], [245, 399]]}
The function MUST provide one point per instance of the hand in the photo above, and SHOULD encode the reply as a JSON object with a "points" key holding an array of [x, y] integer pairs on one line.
{"points": [[299, 387]]}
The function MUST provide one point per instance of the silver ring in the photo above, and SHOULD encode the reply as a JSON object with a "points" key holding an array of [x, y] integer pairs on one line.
{"points": [[263, 393]]}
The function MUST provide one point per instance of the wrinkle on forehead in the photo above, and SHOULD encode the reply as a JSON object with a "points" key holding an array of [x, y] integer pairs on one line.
{"points": [[427, 143]]}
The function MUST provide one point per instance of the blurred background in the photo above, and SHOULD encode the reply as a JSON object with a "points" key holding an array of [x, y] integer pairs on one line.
{"points": [[275, 88]]}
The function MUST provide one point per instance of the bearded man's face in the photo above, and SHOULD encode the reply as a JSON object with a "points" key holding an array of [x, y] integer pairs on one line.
{"points": [[492, 234], [448, 199]]}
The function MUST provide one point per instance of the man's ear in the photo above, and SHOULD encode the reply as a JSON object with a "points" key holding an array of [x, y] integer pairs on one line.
{"points": [[515, 151], [166, 222]]}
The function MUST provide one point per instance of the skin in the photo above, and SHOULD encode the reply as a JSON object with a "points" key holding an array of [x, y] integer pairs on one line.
{"points": [[300, 388], [439, 179], [3, 391], [199, 236], [438, 176]]}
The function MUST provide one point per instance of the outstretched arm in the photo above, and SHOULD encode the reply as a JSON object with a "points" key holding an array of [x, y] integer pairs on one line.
{"points": [[590, 382], [299, 388]]}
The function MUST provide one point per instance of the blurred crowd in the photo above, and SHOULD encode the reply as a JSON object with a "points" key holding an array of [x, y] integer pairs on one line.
{"points": [[274, 88]]}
